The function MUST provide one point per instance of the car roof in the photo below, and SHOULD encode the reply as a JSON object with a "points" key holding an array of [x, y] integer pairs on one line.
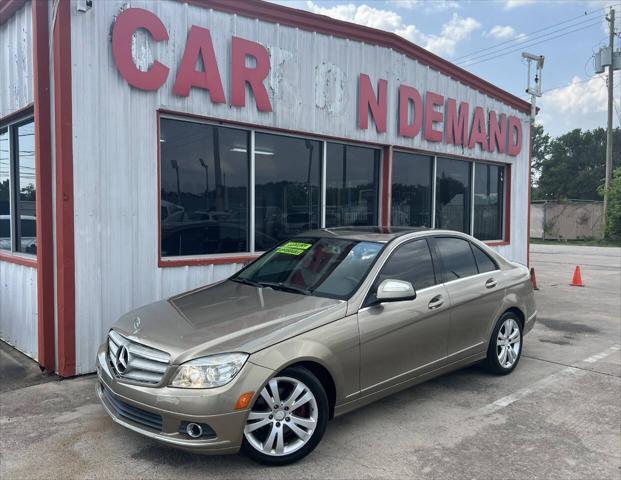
{"points": [[366, 233]]}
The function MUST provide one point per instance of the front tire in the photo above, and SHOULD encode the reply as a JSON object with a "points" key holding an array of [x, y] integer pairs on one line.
{"points": [[288, 418], [505, 346]]}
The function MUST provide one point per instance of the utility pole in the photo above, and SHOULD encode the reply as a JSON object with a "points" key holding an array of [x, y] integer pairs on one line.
{"points": [[611, 23]]}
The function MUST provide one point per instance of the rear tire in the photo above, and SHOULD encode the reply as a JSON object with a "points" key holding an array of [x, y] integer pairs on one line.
{"points": [[283, 428], [505, 345]]}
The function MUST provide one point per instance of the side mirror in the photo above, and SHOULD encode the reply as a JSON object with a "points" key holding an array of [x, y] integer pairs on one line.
{"points": [[395, 291]]}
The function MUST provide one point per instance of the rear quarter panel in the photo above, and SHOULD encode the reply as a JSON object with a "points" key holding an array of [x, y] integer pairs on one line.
{"points": [[518, 294]]}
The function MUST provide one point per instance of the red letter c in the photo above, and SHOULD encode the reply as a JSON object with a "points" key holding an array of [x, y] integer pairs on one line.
{"points": [[126, 24]]}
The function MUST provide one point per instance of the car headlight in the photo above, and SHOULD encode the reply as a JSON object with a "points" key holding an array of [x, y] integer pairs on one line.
{"points": [[209, 372]]}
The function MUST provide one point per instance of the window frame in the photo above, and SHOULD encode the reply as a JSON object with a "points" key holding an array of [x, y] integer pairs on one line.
{"points": [[494, 262], [384, 186], [440, 259], [251, 254], [10, 124], [432, 180], [506, 197], [435, 265]]}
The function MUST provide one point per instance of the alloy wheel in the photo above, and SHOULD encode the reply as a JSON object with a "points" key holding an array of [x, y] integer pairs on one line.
{"points": [[283, 417], [508, 343]]}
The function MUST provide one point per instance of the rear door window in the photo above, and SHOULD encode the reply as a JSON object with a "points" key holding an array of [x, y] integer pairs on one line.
{"points": [[484, 262], [457, 258]]}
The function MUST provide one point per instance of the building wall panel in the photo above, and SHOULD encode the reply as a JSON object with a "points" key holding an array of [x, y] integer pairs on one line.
{"points": [[18, 283], [18, 307], [16, 74], [313, 89]]}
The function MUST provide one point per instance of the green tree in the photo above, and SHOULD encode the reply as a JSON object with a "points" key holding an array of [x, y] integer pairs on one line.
{"points": [[574, 166], [541, 150], [613, 220]]}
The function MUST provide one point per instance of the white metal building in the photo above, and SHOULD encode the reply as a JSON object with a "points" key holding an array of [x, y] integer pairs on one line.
{"points": [[149, 147]]}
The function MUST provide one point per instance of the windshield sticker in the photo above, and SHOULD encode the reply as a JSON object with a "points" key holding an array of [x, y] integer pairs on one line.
{"points": [[293, 248]]}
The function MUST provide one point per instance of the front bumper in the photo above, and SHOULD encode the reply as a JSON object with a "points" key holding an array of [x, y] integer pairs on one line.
{"points": [[212, 407]]}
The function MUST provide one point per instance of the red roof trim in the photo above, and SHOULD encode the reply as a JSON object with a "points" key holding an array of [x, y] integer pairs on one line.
{"points": [[8, 8], [313, 22]]}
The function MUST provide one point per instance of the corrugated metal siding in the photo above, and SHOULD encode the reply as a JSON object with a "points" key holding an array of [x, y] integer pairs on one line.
{"points": [[16, 74], [18, 283], [312, 86], [18, 307]]}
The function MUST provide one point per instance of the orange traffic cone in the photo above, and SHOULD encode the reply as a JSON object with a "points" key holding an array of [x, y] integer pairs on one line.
{"points": [[533, 278], [577, 280]]}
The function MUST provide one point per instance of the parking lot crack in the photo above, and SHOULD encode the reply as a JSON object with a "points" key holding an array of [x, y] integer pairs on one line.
{"points": [[572, 366]]}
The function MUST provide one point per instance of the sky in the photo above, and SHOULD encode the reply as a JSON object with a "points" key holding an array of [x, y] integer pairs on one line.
{"points": [[487, 37]]}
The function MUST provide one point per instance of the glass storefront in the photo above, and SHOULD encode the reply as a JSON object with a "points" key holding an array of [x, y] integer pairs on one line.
{"points": [[208, 205]]}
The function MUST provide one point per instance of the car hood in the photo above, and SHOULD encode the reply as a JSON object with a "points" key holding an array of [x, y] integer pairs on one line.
{"points": [[226, 317]]}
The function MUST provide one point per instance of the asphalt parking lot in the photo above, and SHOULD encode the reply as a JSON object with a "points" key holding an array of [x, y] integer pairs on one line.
{"points": [[557, 416]]}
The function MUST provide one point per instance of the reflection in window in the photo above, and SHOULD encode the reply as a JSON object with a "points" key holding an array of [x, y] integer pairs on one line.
{"points": [[352, 184], [411, 263], [411, 190], [287, 193], [457, 258], [204, 188], [488, 201], [5, 197], [25, 202], [453, 195]]}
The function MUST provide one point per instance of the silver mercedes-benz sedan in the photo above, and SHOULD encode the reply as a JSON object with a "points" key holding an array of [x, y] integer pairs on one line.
{"points": [[320, 325]]}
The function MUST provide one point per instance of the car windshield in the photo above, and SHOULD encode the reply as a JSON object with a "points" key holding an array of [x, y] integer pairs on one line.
{"points": [[326, 267]]}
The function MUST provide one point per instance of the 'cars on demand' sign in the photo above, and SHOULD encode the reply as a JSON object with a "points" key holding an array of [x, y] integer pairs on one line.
{"points": [[437, 118]]}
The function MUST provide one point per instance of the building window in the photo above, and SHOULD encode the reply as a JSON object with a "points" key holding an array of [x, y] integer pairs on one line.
{"points": [[488, 201], [5, 191], [18, 231], [208, 206], [411, 190], [453, 179], [204, 188], [352, 185], [287, 187]]}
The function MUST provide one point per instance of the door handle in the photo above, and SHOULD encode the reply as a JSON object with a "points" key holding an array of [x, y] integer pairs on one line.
{"points": [[491, 283], [436, 302]]}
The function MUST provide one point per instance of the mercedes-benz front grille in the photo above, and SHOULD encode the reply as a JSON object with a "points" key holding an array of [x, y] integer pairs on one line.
{"points": [[136, 362]]}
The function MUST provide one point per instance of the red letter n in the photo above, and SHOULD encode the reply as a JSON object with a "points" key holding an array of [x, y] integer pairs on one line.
{"points": [[368, 101], [497, 132]]}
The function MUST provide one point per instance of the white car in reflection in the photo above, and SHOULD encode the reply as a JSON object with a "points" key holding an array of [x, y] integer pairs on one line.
{"points": [[28, 239]]}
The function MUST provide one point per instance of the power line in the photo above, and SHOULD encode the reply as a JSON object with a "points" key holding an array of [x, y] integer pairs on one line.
{"points": [[522, 46], [526, 39], [513, 40]]}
